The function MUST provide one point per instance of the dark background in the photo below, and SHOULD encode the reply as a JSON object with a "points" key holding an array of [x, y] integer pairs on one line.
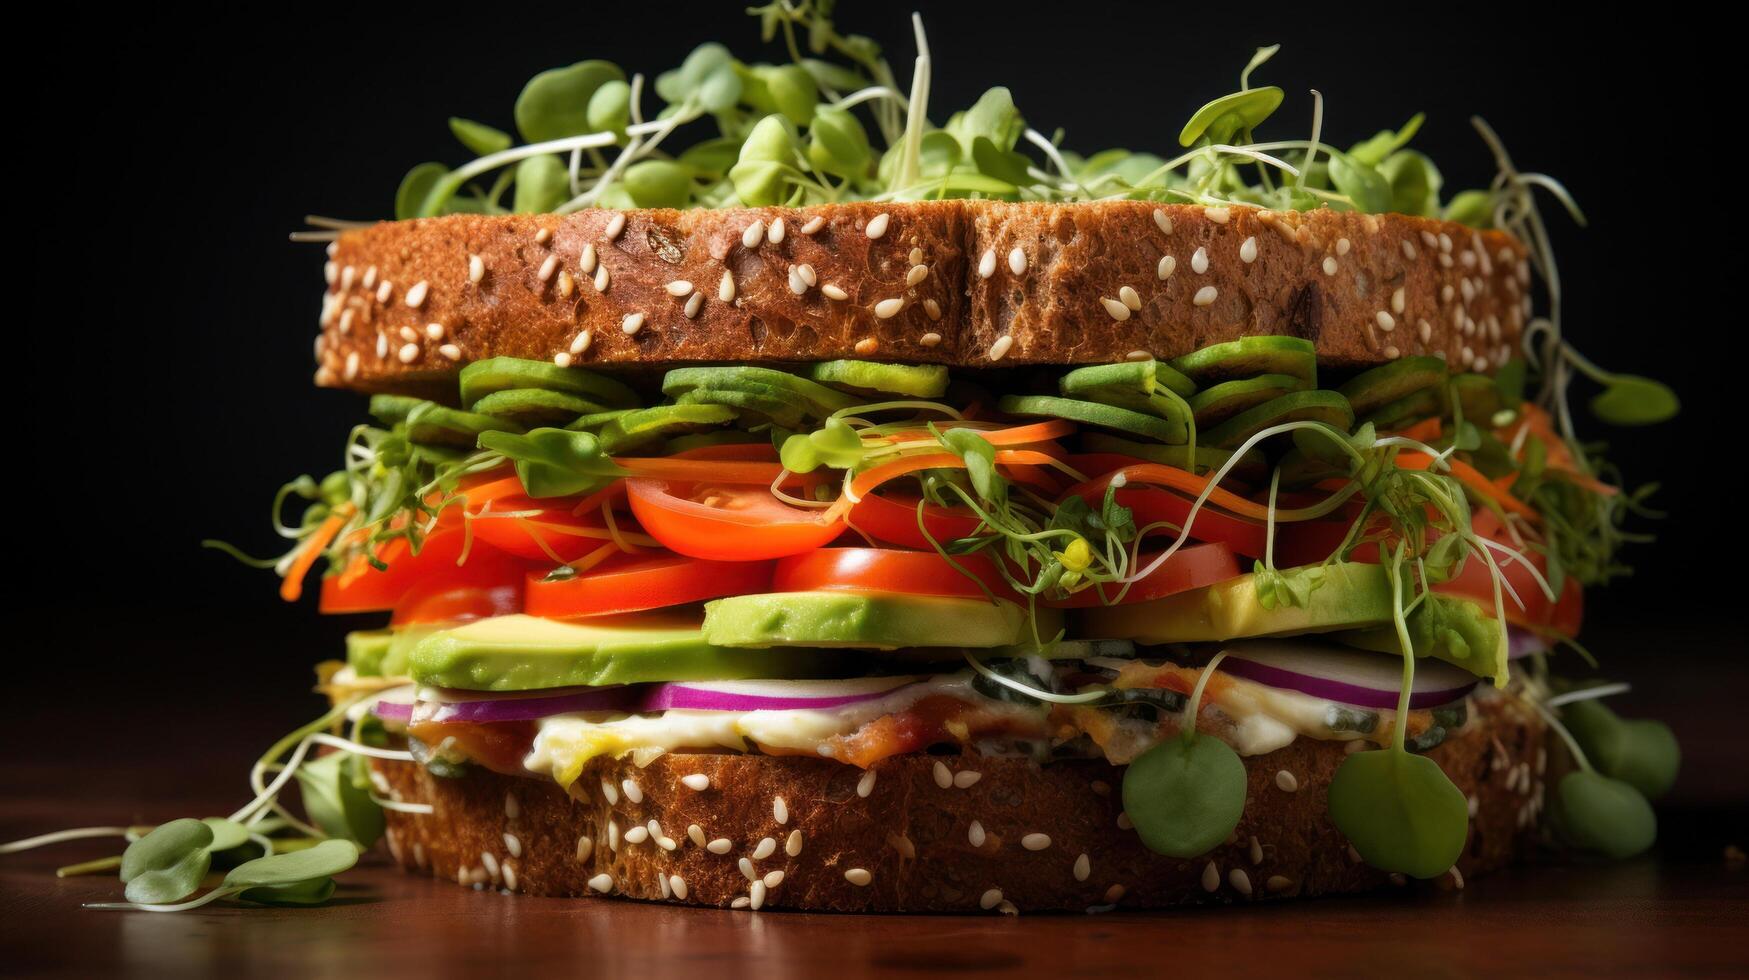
{"points": [[166, 363]]}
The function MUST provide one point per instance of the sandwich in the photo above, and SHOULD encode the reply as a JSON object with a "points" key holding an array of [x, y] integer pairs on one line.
{"points": [[781, 501]]}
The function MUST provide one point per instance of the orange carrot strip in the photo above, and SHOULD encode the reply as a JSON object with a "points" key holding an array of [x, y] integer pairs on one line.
{"points": [[1157, 474], [292, 587], [700, 470], [1472, 478], [1426, 430]]}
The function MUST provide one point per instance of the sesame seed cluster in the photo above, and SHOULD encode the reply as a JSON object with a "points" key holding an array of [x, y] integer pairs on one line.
{"points": [[967, 283]]}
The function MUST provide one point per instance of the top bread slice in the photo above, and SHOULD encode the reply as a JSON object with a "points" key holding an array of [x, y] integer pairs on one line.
{"points": [[965, 283]]}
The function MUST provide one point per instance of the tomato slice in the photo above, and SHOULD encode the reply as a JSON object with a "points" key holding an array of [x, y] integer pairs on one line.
{"points": [[1154, 504], [888, 570], [548, 525], [437, 601], [1190, 567], [727, 523], [638, 583], [362, 588], [893, 519]]}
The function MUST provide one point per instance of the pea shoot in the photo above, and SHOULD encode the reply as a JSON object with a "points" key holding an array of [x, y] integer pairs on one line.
{"points": [[1186, 794]]}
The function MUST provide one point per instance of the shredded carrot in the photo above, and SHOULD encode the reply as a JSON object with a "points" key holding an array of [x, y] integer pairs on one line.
{"points": [[868, 480], [1426, 430], [608, 494], [1018, 435], [1472, 478], [292, 587], [700, 470], [1158, 474]]}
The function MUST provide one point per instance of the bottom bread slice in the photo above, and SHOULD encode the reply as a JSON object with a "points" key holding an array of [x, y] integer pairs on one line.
{"points": [[928, 833]]}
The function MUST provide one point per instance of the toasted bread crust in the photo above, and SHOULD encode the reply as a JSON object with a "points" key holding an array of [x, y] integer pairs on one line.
{"points": [[410, 302], [915, 838]]}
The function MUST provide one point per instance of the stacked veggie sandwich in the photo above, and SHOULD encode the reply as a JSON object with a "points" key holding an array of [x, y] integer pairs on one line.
{"points": [[846, 512]]}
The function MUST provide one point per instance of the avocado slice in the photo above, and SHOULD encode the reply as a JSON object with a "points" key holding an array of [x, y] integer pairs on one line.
{"points": [[536, 406], [1351, 595], [365, 650], [525, 653], [1451, 629], [870, 620]]}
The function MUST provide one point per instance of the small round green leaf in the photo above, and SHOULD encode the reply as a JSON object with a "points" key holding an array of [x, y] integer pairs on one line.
{"points": [[837, 143], [1472, 208], [479, 137], [1400, 812], [792, 91], [324, 860], [610, 108], [226, 833], [167, 865], [410, 196], [1223, 117], [555, 103], [1364, 185], [658, 184], [312, 892], [1642, 753], [1185, 796], [1633, 400], [542, 183], [336, 794], [1596, 813]]}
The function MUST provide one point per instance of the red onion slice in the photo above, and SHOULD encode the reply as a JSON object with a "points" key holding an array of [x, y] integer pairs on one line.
{"points": [[1338, 673], [1521, 642], [770, 695], [526, 707]]}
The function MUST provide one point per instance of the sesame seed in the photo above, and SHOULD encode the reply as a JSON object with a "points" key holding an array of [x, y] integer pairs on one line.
{"points": [[543, 236], [1017, 261], [772, 879], [943, 777], [633, 791], [677, 884], [904, 846], [1218, 215], [722, 845], [409, 353], [1343, 245], [434, 331], [352, 360], [1083, 867], [602, 882], [450, 351], [346, 318], [1468, 259], [1123, 819], [867, 346], [1113, 894], [1036, 842], [1130, 297], [587, 260], [602, 278], [916, 255], [476, 269], [797, 284], [1386, 322], [1279, 883], [1240, 881], [877, 225], [609, 791], [1199, 261], [1167, 266], [693, 305], [931, 307], [697, 781], [1445, 261], [999, 349], [666, 889], [678, 288], [416, 296], [806, 271], [632, 323], [859, 877], [1329, 265], [865, 785], [370, 278], [1444, 242], [580, 343], [1211, 878], [407, 333], [1248, 250], [1446, 292], [1116, 308], [767, 847], [567, 285], [1392, 352], [726, 287], [695, 833], [814, 224], [382, 346], [753, 234], [547, 267], [886, 309], [1163, 220], [774, 234], [834, 291], [1399, 300], [917, 274], [793, 846], [1425, 329], [1408, 250], [987, 264], [384, 291], [615, 225], [585, 847], [1428, 239], [990, 898], [1468, 290], [740, 903], [637, 835], [1204, 296], [1256, 851], [966, 778], [975, 834], [513, 845], [929, 339]]}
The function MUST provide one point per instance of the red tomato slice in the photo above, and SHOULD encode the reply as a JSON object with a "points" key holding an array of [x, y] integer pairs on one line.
{"points": [[361, 588], [639, 583], [893, 519], [436, 601], [727, 523], [888, 570], [524, 537], [1151, 504], [1190, 567]]}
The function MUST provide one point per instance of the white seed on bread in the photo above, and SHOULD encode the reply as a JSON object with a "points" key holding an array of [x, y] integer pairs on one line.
{"points": [[1167, 266], [929, 339], [1017, 261], [602, 883], [586, 260], [1130, 297], [877, 225], [1199, 260], [1083, 867], [695, 833], [975, 834], [766, 848], [917, 274], [860, 877], [793, 844], [774, 233], [1163, 221], [1117, 308], [814, 224], [415, 297], [1240, 881], [694, 303], [779, 810], [834, 292], [1035, 841], [548, 266], [697, 781], [866, 784], [1248, 250], [753, 234], [966, 778], [632, 323], [1205, 296], [886, 309], [1218, 215], [987, 264], [722, 845], [678, 288], [1000, 348], [1329, 265], [615, 225]]}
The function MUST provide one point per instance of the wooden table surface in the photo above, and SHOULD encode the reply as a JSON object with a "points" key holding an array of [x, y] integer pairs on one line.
{"points": [[1683, 911]]}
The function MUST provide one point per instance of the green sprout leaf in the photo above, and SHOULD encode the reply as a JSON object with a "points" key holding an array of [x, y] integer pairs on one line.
{"points": [[484, 140], [167, 865], [312, 892], [555, 462], [1414, 181], [1185, 796], [1632, 400], [1383, 144], [658, 184], [837, 143], [555, 103], [1472, 208], [763, 172], [324, 860], [610, 108], [1642, 753], [980, 459], [992, 117], [1399, 811], [1230, 114], [415, 187], [336, 793], [226, 834], [835, 444], [1597, 813], [542, 184], [1364, 185]]}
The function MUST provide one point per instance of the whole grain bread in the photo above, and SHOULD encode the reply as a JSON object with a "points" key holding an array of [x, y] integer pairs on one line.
{"points": [[967, 283], [929, 833]]}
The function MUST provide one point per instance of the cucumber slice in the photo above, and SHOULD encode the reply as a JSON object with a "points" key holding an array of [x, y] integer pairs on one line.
{"points": [[1377, 387], [1251, 467], [1094, 413], [595, 420], [1249, 357], [1140, 376], [868, 377], [1227, 399], [705, 440], [536, 406], [1478, 395], [390, 409], [807, 396], [481, 378], [1313, 406], [763, 404], [434, 423], [1408, 409], [646, 425], [1300, 469]]}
